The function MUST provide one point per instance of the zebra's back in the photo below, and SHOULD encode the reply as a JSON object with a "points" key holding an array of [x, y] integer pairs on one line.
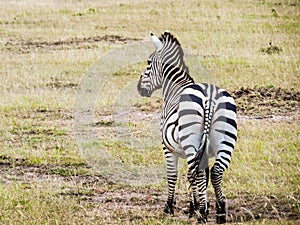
{"points": [[207, 108]]}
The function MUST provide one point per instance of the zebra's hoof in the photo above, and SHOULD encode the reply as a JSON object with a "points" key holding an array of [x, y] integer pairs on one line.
{"points": [[202, 214], [221, 212], [221, 218], [202, 219], [193, 208], [169, 208]]}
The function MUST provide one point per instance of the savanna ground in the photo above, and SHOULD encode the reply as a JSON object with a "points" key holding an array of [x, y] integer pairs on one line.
{"points": [[250, 47]]}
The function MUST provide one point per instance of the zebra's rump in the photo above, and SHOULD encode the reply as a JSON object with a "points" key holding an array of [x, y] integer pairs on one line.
{"points": [[207, 109]]}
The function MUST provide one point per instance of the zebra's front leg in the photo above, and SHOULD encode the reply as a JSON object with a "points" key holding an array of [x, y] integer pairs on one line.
{"points": [[172, 162], [216, 178]]}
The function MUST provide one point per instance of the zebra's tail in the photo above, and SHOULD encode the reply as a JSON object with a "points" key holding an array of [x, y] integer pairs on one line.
{"points": [[201, 157]]}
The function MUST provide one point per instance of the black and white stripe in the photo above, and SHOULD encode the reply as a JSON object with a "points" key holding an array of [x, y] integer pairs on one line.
{"points": [[198, 122]]}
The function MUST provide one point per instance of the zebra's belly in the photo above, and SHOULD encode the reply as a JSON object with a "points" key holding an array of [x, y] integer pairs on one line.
{"points": [[170, 137]]}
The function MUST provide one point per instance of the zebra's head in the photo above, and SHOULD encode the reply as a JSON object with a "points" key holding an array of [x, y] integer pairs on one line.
{"points": [[168, 56]]}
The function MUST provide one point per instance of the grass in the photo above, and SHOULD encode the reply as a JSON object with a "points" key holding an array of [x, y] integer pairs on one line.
{"points": [[273, 159], [31, 205], [47, 47]]}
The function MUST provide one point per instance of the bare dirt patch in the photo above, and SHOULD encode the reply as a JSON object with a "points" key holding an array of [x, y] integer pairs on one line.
{"points": [[24, 46], [263, 101]]}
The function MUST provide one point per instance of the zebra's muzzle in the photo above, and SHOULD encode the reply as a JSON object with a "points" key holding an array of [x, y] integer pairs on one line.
{"points": [[144, 92]]}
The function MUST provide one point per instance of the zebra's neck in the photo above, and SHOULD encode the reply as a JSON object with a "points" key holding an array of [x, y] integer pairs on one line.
{"points": [[173, 86]]}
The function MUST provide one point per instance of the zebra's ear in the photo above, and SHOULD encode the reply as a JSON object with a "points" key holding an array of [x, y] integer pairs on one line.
{"points": [[156, 42]]}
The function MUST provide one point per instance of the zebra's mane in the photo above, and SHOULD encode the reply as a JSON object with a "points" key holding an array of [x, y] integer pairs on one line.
{"points": [[168, 37]]}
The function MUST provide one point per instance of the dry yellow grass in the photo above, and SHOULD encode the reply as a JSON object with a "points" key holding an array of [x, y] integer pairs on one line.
{"points": [[47, 46]]}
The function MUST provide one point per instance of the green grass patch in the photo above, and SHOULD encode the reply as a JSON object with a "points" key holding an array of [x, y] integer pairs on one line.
{"points": [[265, 154], [21, 204], [131, 155]]}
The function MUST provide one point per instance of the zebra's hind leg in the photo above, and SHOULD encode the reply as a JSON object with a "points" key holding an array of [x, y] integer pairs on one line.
{"points": [[172, 162], [216, 178], [202, 209], [193, 202], [194, 205]]}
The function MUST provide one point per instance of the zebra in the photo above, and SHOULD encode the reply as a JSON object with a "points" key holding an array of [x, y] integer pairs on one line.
{"points": [[198, 121]]}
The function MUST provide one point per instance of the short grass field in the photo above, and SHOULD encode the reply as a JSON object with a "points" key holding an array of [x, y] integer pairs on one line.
{"points": [[47, 48]]}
